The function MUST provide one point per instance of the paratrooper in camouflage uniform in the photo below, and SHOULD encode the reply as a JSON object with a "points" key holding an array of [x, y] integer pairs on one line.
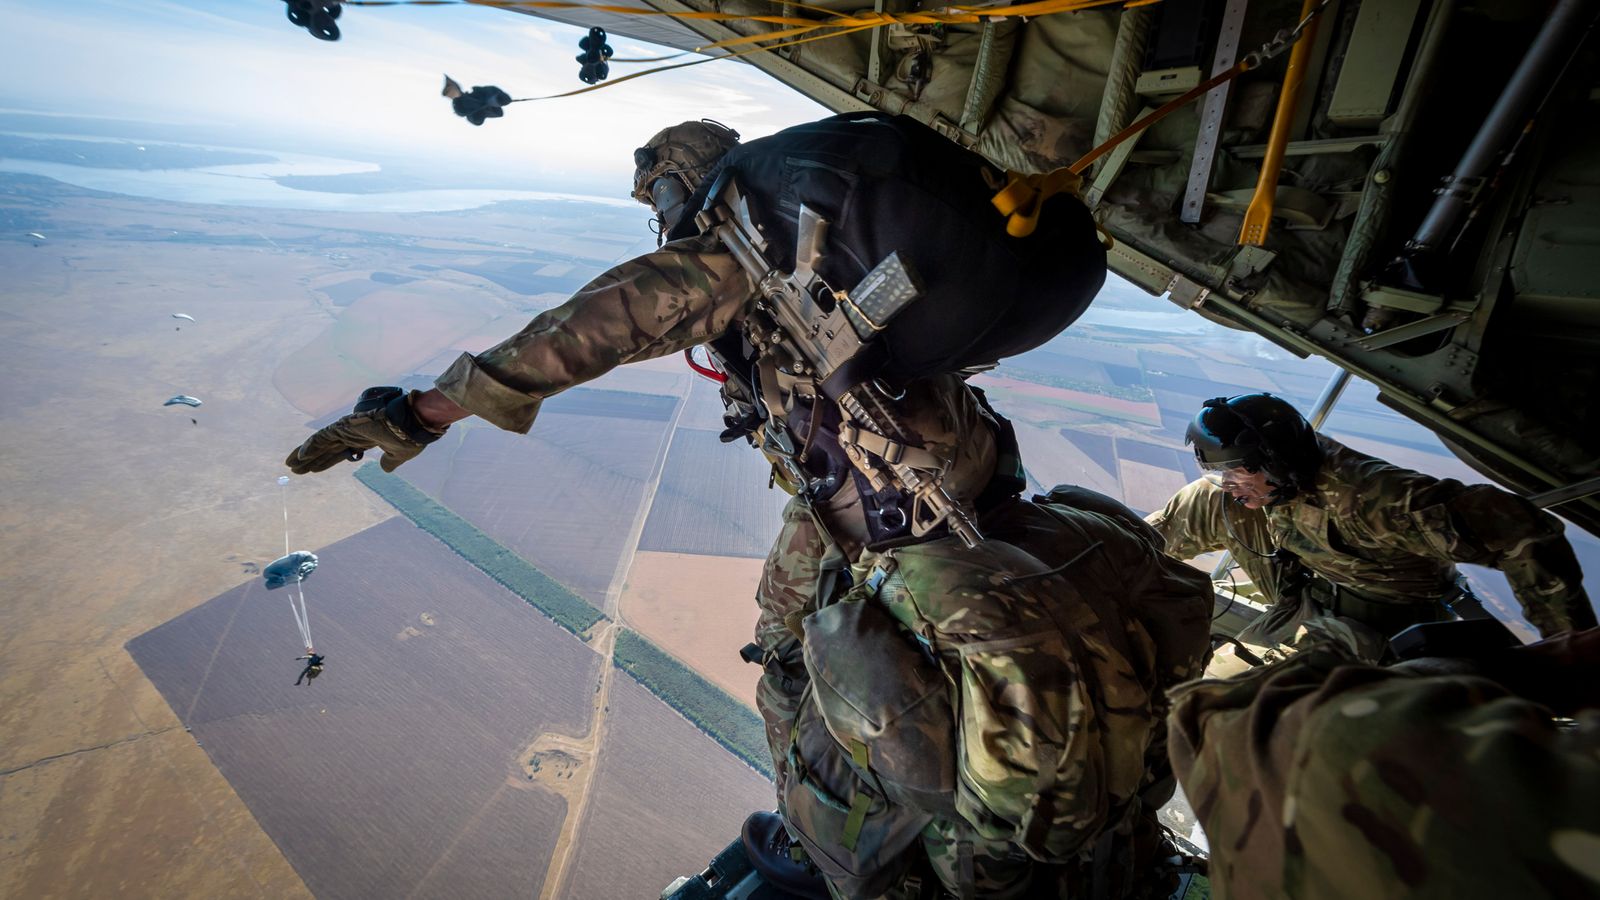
{"points": [[1381, 541], [691, 291], [1323, 778]]}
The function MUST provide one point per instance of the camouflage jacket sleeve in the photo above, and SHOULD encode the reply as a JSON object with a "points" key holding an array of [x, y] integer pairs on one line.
{"points": [[1191, 524], [681, 295], [1319, 779], [1485, 526]]}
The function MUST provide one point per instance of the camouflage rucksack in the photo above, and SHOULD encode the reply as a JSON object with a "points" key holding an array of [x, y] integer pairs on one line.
{"points": [[1053, 662], [1053, 726], [872, 752], [843, 817]]}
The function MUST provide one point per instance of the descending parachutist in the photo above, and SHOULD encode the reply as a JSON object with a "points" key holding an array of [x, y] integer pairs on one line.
{"points": [[313, 667]]}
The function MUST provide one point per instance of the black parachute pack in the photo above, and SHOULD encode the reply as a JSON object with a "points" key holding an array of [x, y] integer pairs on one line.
{"points": [[888, 184]]}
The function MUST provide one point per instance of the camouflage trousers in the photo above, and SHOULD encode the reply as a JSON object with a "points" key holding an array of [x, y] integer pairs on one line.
{"points": [[788, 584]]}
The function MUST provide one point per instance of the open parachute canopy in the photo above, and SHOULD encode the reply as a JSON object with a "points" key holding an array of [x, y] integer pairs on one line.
{"points": [[291, 569]]}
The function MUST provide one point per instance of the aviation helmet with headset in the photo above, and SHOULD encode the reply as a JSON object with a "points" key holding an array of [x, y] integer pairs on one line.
{"points": [[1258, 433], [671, 165]]}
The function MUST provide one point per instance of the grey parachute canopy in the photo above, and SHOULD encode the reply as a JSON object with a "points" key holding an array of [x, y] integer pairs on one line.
{"points": [[291, 569], [185, 399], [183, 316]]}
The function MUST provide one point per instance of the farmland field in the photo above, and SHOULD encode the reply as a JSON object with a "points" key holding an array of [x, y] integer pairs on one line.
{"points": [[700, 609], [388, 331], [1099, 447], [553, 496], [1160, 456], [713, 500], [1146, 488], [398, 770], [1051, 460], [667, 799], [1009, 393]]}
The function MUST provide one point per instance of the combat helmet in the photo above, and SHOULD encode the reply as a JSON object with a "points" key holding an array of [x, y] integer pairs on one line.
{"points": [[671, 165], [1258, 433]]}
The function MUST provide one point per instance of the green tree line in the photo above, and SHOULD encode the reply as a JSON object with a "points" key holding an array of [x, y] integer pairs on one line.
{"points": [[728, 721], [518, 575], [1137, 392], [715, 712]]}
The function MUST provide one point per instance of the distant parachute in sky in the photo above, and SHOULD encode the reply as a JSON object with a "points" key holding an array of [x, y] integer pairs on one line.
{"points": [[35, 235], [183, 316], [185, 399], [291, 569]]}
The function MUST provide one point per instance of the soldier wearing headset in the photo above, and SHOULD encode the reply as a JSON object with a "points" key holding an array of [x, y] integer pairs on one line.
{"points": [[1326, 531]]}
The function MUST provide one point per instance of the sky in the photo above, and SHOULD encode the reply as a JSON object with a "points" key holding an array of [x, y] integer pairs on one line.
{"points": [[240, 65]]}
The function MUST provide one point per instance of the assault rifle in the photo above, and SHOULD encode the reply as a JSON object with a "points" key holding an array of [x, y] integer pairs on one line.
{"points": [[804, 328]]}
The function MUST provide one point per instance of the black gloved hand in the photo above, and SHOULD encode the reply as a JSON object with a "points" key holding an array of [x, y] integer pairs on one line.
{"points": [[382, 418]]}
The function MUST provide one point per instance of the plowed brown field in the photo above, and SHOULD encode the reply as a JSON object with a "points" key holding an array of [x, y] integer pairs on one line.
{"points": [[400, 770], [666, 800], [700, 609]]}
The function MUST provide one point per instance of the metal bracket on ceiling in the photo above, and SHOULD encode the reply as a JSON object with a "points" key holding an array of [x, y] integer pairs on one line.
{"points": [[1387, 297], [1211, 113], [1156, 277], [1402, 333], [1248, 260], [952, 131], [1575, 491], [1186, 293], [1144, 271], [1111, 167], [879, 47], [1317, 147]]}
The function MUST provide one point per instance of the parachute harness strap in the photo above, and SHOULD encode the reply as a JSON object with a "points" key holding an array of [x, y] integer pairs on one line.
{"points": [[890, 451], [1024, 194]]}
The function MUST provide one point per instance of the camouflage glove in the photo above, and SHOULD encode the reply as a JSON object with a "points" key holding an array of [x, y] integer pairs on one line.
{"points": [[382, 418]]}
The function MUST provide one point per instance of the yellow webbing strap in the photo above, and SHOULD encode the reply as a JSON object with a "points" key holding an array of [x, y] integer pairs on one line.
{"points": [[948, 15], [1021, 198], [1024, 195]]}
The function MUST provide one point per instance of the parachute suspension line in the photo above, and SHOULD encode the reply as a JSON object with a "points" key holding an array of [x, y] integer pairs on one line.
{"points": [[301, 617], [836, 24], [283, 488], [706, 59], [302, 620], [955, 14]]}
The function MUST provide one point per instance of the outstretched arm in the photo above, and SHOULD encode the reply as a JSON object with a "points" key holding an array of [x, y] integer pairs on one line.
{"points": [[681, 295]]}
